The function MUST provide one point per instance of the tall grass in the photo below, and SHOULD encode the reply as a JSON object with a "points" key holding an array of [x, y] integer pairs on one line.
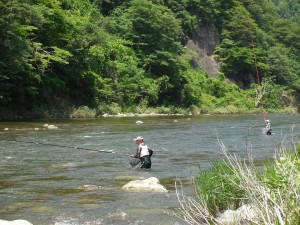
{"points": [[218, 187], [273, 192]]}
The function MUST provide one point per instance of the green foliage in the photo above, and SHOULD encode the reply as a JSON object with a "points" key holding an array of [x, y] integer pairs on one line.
{"points": [[288, 9], [219, 187], [273, 92], [272, 190], [180, 10], [235, 49], [287, 33], [154, 32], [194, 110], [283, 68], [84, 112], [27, 57], [154, 28], [215, 11], [282, 180], [112, 109], [263, 12], [118, 78], [131, 54], [192, 90]]}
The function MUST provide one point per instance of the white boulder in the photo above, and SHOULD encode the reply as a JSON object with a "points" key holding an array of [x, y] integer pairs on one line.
{"points": [[15, 222], [148, 185], [52, 127], [139, 122], [244, 213]]}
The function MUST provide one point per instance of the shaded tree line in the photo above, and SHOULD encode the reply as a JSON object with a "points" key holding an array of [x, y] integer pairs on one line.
{"points": [[59, 55]]}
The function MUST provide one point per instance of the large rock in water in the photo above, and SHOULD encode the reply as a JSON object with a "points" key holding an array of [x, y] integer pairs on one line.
{"points": [[15, 222], [149, 185]]}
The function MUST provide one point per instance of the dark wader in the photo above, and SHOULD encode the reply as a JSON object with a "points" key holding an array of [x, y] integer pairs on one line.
{"points": [[146, 162]]}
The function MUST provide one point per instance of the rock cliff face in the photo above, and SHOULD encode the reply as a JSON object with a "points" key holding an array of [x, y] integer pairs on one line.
{"points": [[204, 42]]}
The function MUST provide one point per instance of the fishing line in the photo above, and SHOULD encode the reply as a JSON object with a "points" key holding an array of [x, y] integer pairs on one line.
{"points": [[267, 130], [257, 76], [118, 156], [62, 146]]}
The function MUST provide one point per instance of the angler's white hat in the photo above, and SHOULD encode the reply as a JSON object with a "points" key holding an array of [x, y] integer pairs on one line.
{"points": [[139, 138]]}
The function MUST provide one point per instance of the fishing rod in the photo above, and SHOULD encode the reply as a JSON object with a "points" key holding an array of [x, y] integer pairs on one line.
{"points": [[267, 130], [75, 147], [62, 146]]}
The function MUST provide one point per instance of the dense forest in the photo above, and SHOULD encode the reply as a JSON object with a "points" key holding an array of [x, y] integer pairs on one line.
{"points": [[131, 55]]}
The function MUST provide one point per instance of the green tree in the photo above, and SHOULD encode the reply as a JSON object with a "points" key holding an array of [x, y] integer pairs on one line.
{"points": [[154, 28], [262, 11], [288, 9], [188, 20], [288, 33], [26, 58], [212, 11], [155, 34], [107, 6], [118, 78], [236, 52], [283, 68]]}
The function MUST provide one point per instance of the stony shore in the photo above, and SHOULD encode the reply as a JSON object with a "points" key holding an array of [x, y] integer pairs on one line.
{"points": [[138, 115]]}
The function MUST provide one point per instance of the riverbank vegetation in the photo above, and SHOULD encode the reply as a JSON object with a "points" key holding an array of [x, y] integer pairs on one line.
{"points": [[270, 192], [59, 57]]}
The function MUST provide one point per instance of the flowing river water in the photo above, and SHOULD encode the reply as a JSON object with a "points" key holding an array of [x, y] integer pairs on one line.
{"points": [[43, 182]]}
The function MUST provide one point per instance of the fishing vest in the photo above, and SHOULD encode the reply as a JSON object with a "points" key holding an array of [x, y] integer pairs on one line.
{"points": [[144, 150]]}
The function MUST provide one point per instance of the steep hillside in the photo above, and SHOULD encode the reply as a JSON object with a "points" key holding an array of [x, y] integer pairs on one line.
{"points": [[128, 56]]}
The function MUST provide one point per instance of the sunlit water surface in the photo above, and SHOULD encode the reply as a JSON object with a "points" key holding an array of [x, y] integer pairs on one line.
{"points": [[42, 181]]}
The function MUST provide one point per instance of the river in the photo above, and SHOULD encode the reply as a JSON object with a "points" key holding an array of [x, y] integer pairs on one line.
{"points": [[41, 180]]}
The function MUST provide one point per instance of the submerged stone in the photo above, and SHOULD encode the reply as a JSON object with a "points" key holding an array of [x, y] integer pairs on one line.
{"points": [[89, 187], [127, 178]]}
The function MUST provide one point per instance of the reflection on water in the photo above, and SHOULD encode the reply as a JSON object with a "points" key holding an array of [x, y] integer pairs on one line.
{"points": [[42, 181]]}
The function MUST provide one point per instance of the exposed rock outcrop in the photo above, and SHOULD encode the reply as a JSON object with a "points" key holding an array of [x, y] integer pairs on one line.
{"points": [[204, 42]]}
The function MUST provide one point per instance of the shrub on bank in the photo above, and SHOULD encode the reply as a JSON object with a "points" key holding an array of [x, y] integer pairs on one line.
{"points": [[84, 112], [64, 110], [272, 192], [218, 186], [195, 110]]}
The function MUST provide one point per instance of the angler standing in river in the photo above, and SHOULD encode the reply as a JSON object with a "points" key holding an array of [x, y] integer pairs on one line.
{"points": [[143, 153], [268, 130]]}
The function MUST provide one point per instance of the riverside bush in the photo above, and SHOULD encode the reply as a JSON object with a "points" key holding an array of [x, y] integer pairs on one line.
{"points": [[282, 180], [273, 192], [84, 112], [218, 187], [194, 110]]}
